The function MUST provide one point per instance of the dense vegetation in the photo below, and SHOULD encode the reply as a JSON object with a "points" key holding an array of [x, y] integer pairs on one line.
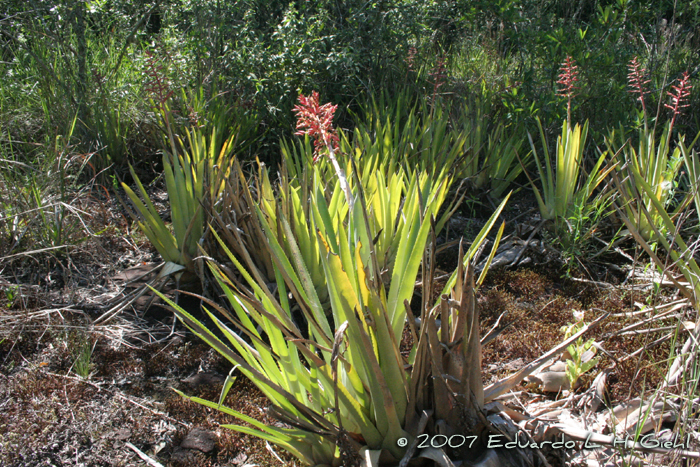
{"points": [[95, 60], [313, 153]]}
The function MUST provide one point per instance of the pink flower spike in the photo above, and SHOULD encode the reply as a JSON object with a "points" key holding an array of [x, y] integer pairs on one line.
{"points": [[679, 95], [412, 52], [637, 81], [316, 121], [568, 76]]}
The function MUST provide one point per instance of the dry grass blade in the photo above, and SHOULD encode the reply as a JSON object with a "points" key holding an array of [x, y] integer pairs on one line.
{"points": [[145, 457], [683, 360], [632, 327]]}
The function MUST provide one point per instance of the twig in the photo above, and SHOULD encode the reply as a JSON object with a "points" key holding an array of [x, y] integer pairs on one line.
{"points": [[148, 460], [495, 330], [29, 253], [626, 330], [600, 284], [527, 242], [646, 347]]}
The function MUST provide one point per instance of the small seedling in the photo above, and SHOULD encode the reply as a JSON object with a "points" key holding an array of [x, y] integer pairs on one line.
{"points": [[83, 354], [11, 294], [575, 366]]}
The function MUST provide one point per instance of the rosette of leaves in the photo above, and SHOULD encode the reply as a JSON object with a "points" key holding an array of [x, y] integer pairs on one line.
{"points": [[424, 139], [189, 173], [653, 160], [388, 202], [389, 195], [337, 381], [498, 159], [562, 186]]}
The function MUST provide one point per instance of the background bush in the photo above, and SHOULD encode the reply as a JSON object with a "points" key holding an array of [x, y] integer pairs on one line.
{"points": [[62, 59]]}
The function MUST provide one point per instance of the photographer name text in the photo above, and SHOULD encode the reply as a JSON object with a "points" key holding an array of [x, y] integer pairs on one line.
{"points": [[523, 441]]}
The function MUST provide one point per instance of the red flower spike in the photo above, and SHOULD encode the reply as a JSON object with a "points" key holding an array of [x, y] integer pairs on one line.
{"points": [[637, 82], [679, 95], [316, 121], [438, 75], [157, 85], [568, 76]]}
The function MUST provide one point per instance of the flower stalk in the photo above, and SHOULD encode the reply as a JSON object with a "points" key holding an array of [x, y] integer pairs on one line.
{"points": [[438, 74], [638, 82], [316, 121], [159, 91], [568, 76], [679, 96]]}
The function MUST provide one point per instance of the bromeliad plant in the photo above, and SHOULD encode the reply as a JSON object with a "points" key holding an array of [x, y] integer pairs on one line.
{"points": [[654, 161], [196, 171], [393, 132], [498, 160], [188, 174], [651, 222], [396, 133], [392, 196], [562, 187], [337, 381], [339, 384], [682, 259]]}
